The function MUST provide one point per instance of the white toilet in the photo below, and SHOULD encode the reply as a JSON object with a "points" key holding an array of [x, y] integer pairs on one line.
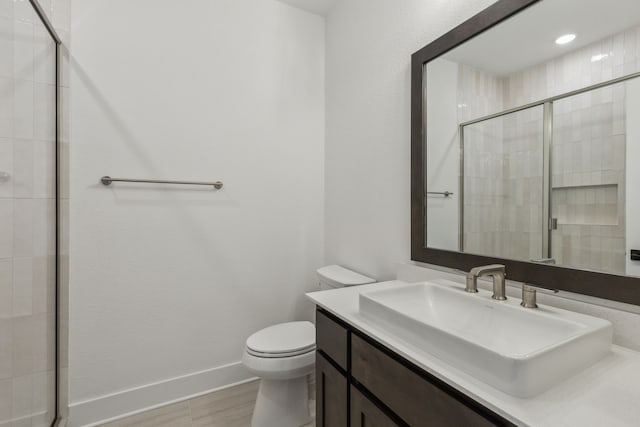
{"points": [[284, 355]]}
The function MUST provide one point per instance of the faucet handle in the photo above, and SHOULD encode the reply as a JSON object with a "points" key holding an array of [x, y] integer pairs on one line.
{"points": [[528, 297]]}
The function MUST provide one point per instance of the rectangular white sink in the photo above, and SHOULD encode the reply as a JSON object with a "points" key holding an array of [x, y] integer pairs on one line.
{"points": [[519, 351]]}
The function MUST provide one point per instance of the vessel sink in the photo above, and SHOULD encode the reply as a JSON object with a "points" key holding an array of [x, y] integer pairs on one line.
{"points": [[519, 351]]}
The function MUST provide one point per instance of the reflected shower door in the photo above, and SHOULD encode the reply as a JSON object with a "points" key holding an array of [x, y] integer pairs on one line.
{"points": [[503, 186], [27, 218]]}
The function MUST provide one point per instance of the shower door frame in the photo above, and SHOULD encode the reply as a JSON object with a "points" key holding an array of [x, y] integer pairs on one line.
{"points": [[547, 140], [57, 42]]}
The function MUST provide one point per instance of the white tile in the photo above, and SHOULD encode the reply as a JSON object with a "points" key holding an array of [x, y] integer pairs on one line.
{"points": [[44, 59], [6, 107], [6, 288], [6, 46], [23, 108], [22, 286], [6, 353], [43, 285], [22, 396], [44, 163], [44, 112], [23, 50], [43, 392], [61, 14], [23, 173], [6, 393], [6, 228], [6, 166], [6, 8], [23, 11], [22, 345], [43, 342], [22, 228], [44, 227]]}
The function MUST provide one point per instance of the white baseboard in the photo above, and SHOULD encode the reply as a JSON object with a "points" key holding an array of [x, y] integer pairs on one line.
{"points": [[129, 402]]}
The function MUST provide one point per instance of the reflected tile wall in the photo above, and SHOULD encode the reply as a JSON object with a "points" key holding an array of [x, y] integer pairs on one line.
{"points": [[588, 180], [27, 215], [503, 186]]}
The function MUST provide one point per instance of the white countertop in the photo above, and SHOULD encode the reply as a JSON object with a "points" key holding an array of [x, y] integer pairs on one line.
{"points": [[605, 395]]}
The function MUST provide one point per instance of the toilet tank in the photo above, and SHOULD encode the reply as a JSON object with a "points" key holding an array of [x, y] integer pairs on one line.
{"points": [[335, 276]]}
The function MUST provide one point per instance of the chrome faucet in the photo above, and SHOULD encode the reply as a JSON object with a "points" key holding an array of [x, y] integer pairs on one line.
{"points": [[496, 271]]}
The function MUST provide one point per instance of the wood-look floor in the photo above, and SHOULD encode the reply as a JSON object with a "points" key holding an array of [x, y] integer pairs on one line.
{"points": [[231, 407]]}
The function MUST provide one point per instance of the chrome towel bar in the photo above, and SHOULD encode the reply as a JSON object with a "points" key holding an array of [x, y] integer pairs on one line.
{"points": [[107, 180], [441, 193]]}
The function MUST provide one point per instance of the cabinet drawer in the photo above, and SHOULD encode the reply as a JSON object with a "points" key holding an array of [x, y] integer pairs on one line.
{"points": [[331, 338], [413, 398]]}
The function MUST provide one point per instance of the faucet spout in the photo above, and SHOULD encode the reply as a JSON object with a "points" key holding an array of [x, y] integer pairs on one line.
{"points": [[497, 272]]}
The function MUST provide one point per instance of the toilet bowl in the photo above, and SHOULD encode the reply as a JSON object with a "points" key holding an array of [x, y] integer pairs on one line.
{"points": [[283, 356]]}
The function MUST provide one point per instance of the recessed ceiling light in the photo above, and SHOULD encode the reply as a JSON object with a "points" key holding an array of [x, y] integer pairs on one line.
{"points": [[567, 38]]}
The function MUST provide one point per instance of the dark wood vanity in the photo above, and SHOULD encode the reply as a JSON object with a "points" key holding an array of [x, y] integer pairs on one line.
{"points": [[361, 383]]}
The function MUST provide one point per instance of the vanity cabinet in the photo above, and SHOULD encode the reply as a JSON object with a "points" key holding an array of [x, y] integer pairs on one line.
{"points": [[360, 383]]}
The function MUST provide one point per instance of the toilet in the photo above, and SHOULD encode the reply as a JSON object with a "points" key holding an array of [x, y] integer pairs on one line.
{"points": [[283, 356]]}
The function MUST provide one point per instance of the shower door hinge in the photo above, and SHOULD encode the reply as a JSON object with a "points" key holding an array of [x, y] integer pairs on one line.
{"points": [[553, 223]]}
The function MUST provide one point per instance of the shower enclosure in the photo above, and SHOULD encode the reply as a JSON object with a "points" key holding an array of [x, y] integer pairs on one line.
{"points": [[28, 215], [547, 180]]}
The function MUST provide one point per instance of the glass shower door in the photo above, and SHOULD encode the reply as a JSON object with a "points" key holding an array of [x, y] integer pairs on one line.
{"points": [[503, 186], [27, 218]]}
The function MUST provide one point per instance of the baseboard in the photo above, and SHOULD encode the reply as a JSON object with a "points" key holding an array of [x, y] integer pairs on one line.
{"points": [[110, 407]]}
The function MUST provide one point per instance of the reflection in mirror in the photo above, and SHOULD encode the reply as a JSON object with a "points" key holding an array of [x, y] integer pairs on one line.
{"points": [[530, 142]]}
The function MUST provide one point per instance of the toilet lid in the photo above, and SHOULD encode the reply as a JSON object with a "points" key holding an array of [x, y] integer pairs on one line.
{"points": [[288, 339]]}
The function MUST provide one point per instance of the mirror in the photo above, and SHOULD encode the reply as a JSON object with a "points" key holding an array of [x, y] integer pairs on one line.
{"points": [[530, 132]]}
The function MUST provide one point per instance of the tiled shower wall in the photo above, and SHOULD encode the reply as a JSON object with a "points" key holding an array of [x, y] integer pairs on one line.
{"points": [[588, 157], [588, 180], [483, 161], [27, 210]]}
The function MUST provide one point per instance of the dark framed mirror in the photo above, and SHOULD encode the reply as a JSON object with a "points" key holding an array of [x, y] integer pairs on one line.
{"points": [[523, 138]]}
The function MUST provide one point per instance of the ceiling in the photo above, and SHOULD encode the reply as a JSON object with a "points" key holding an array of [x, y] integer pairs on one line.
{"points": [[319, 7], [529, 38]]}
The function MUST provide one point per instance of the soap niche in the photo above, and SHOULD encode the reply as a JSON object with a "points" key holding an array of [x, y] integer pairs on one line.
{"points": [[585, 205]]}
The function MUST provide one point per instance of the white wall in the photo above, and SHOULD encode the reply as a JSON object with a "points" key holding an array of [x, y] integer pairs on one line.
{"points": [[633, 175], [168, 282], [367, 163]]}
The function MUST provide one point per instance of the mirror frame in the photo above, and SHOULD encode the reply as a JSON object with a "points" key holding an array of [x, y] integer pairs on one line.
{"points": [[613, 287]]}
